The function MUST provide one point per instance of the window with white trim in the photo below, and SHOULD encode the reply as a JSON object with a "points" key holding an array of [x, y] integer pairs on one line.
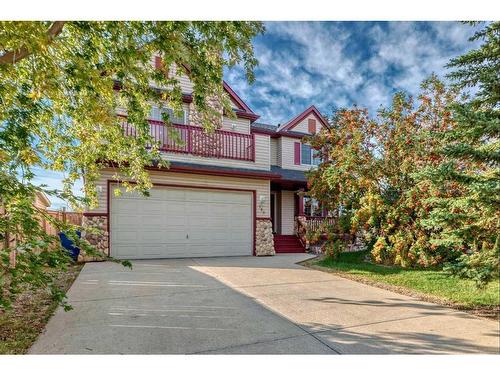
{"points": [[156, 114], [308, 156]]}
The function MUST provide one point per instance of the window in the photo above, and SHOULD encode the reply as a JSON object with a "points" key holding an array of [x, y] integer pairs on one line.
{"points": [[308, 156], [312, 207], [156, 114]]}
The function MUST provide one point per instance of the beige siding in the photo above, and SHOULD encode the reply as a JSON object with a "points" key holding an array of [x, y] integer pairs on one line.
{"points": [[288, 154], [238, 125], [262, 187], [287, 212], [184, 81], [303, 125], [274, 151], [261, 157]]}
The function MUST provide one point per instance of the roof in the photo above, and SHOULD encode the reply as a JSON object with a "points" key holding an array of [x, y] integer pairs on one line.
{"points": [[269, 127], [289, 174], [176, 166], [276, 173], [294, 121], [285, 129]]}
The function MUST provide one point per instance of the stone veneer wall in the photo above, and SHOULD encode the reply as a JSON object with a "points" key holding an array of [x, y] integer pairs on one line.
{"points": [[264, 239], [98, 237]]}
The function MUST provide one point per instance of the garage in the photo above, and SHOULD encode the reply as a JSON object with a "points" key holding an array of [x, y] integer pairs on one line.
{"points": [[175, 222]]}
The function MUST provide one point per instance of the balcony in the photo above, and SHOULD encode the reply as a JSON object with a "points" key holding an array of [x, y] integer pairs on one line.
{"points": [[194, 140]]}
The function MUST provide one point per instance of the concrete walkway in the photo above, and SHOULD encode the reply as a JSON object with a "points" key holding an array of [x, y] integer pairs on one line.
{"points": [[251, 305]]}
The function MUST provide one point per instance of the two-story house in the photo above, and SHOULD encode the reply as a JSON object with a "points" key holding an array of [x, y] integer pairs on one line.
{"points": [[237, 191]]}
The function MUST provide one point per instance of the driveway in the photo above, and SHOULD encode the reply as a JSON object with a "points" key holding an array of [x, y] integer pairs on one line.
{"points": [[250, 305]]}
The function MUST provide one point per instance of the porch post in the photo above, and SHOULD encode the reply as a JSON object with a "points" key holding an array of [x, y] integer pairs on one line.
{"points": [[301, 204]]}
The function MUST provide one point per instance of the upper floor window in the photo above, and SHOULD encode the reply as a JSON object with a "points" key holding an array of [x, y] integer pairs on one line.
{"points": [[156, 114], [308, 156]]}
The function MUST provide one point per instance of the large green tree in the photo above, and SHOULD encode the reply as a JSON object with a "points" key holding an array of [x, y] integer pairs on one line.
{"points": [[368, 174], [58, 101], [469, 219]]}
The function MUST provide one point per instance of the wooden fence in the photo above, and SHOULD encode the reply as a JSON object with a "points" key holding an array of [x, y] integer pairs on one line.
{"points": [[66, 217], [9, 240]]}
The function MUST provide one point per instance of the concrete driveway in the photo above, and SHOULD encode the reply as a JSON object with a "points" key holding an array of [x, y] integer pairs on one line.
{"points": [[250, 305]]}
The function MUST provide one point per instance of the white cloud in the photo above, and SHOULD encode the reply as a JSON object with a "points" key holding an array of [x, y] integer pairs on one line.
{"points": [[338, 64]]}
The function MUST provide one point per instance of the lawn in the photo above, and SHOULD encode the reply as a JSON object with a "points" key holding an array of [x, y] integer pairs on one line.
{"points": [[437, 285], [20, 326]]}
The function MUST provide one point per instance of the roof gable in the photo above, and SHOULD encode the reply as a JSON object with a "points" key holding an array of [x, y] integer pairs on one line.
{"points": [[301, 116]]}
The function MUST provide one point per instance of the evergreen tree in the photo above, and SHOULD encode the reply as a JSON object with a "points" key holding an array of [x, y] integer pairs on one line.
{"points": [[469, 218]]}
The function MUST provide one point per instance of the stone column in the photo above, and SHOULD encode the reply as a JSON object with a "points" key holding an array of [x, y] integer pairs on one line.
{"points": [[264, 240], [98, 237]]}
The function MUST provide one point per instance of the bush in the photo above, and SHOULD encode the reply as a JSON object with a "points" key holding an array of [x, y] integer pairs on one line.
{"points": [[334, 248]]}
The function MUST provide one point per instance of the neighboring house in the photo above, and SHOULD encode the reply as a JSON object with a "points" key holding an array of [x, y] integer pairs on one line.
{"points": [[237, 191]]}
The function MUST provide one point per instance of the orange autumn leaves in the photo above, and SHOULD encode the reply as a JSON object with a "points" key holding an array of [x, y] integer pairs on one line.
{"points": [[370, 179]]}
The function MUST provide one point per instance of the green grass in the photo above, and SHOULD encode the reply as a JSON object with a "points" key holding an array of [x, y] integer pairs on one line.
{"points": [[21, 325], [434, 283]]}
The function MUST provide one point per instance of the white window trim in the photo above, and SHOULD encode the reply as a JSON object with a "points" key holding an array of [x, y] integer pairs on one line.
{"points": [[311, 158]]}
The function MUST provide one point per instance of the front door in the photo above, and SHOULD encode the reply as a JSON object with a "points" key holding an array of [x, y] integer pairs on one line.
{"points": [[273, 211]]}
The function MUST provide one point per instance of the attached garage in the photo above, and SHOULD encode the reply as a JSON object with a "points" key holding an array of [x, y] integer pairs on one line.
{"points": [[178, 222]]}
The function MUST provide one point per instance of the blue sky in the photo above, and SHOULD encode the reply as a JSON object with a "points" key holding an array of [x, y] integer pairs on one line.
{"points": [[335, 64]]}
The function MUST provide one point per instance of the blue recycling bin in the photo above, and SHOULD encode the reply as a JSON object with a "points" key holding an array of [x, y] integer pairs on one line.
{"points": [[66, 242]]}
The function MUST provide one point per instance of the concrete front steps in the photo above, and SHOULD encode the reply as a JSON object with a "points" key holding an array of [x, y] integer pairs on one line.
{"points": [[287, 244]]}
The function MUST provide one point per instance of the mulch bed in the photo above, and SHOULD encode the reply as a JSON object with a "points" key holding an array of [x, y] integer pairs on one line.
{"points": [[21, 325], [489, 312]]}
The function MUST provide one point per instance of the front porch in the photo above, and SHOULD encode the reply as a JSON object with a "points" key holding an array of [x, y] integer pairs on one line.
{"points": [[293, 215]]}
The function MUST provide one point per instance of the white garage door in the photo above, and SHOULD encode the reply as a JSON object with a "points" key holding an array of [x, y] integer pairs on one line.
{"points": [[181, 222]]}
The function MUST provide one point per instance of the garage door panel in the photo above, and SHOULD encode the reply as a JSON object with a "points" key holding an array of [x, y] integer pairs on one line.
{"points": [[151, 221], [175, 220], [181, 222], [125, 206], [219, 222], [175, 234], [176, 195], [151, 236], [124, 236], [148, 207], [121, 221]]}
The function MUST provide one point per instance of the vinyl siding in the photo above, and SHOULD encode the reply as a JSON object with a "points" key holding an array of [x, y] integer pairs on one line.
{"points": [[274, 151], [303, 125], [287, 154], [241, 125], [184, 81], [287, 212], [262, 187]]}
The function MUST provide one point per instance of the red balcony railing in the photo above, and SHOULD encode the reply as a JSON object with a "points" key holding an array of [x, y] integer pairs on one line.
{"points": [[195, 140]]}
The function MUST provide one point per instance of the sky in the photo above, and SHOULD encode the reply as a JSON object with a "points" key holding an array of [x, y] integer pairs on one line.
{"points": [[338, 64], [333, 65]]}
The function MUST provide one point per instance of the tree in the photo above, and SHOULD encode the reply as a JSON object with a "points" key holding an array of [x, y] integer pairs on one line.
{"points": [[469, 219], [368, 176], [60, 86], [408, 133]]}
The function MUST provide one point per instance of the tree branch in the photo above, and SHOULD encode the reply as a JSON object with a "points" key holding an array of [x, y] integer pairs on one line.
{"points": [[12, 57]]}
